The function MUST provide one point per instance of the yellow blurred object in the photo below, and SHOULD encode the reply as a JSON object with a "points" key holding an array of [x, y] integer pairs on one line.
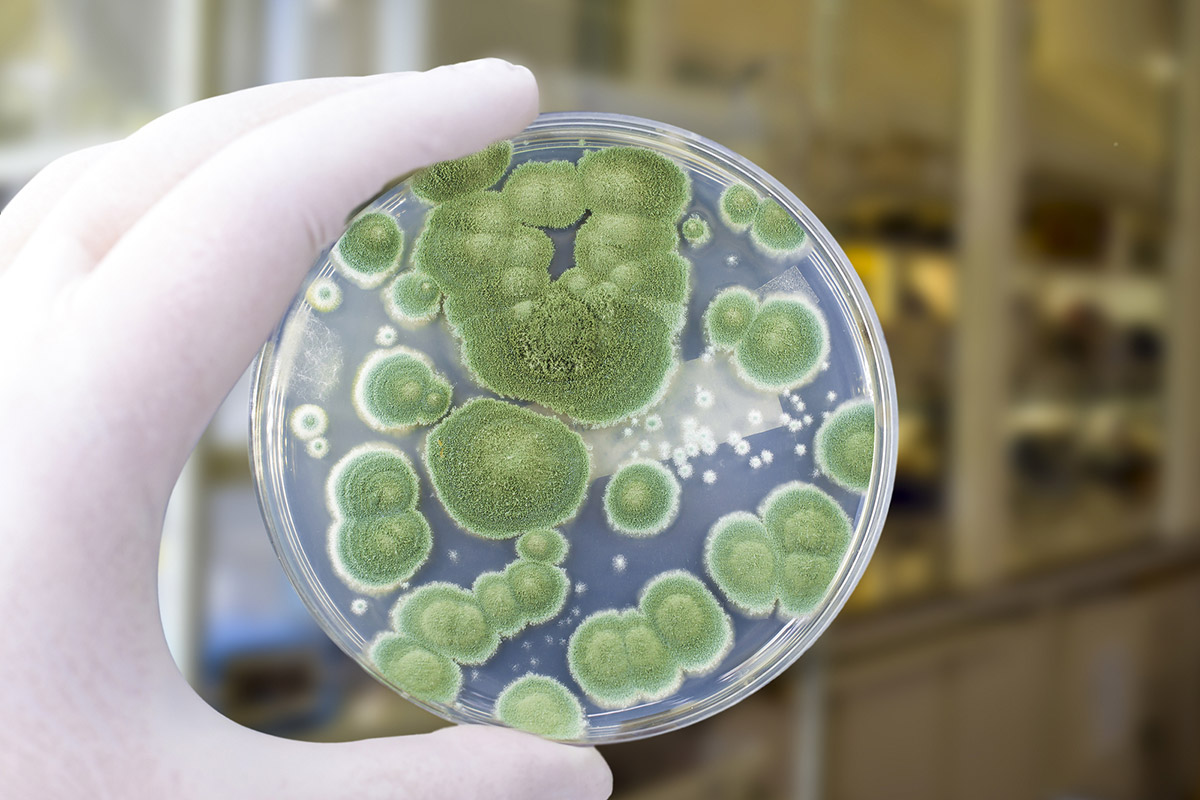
{"points": [[877, 269]]}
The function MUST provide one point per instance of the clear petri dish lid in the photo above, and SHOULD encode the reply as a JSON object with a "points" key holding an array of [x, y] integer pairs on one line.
{"points": [[660, 520]]}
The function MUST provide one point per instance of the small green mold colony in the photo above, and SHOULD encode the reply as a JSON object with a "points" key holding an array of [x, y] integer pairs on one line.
{"points": [[789, 553], [599, 343], [397, 389], [696, 230], [775, 230], [845, 444], [546, 545], [784, 346], [729, 315], [417, 670], [323, 295], [500, 470], [539, 704], [412, 299], [308, 421], [378, 538], [619, 658], [641, 499], [370, 249], [738, 206], [318, 447]]}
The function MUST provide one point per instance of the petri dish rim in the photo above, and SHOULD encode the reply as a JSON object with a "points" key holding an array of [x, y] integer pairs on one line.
{"points": [[796, 636]]}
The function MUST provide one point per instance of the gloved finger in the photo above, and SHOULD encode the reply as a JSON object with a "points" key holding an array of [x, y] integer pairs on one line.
{"points": [[137, 171], [465, 762], [30, 205], [180, 304]]}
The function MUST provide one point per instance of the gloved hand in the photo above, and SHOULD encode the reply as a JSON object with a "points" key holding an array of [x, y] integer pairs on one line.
{"points": [[137, 279]]}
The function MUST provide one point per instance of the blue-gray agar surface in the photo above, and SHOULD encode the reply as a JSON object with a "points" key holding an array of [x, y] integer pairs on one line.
{"points": [[558, 284]]}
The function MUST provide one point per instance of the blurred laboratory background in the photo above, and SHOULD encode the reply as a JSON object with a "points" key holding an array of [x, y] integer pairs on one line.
{"points": [[1017, 184]]}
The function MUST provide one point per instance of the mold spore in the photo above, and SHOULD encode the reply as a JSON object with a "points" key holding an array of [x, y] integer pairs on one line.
{"points": [[370, 249], [845, 444], [500, 470], [641, 499], [775, 231]]}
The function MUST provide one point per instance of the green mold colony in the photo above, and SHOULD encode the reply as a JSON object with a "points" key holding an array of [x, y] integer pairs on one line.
{"points": [[728, 316], [777, 345], [775, 230], [599, 343], [417, 670], [448, 179], [545, 194], [323, 295], [622, 657], [845, 444], [789, 553], [738, 204], [548, 546], [641, 499], [378, 539], [539, 704], [500, 469], [397, 389], [308, 421], [452, 626], [370, 249], [412, 299], [696, 230]]}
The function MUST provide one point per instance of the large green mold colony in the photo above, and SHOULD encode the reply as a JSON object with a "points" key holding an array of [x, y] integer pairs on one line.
{"points": [[641, 499], [846, 444], [678, 629], [397, 389], [598, 343], [378, 538], [500, 469], [790, 552]]}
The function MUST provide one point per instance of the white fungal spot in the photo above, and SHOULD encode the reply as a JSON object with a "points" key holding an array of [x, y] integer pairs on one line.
{"points": [[767, 456], [754, 417], [831, 396], [664, 450], [359, 606], [627, 432], [731, 260], [785, 418], [619, 563], [795, 425], [742, 447], [801, 449], [644, 445], [385, 336], [318, 447], [734, 437], [653, 423], [808, 420], [704, 398], [709, 477], [685, 471], [453, 556], [755, 462], [580, 588]]}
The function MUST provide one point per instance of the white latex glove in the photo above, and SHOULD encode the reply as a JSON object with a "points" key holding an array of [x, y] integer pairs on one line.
{"points": [[137, 280]]}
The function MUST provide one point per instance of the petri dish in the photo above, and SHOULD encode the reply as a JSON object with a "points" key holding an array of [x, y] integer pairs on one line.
{"points": [[661, 522]]}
